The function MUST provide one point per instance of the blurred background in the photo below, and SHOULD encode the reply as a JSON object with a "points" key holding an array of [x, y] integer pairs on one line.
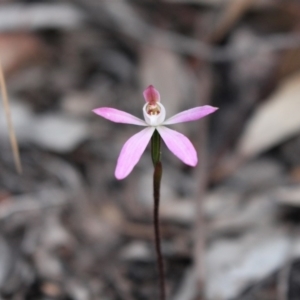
{"points": [[230, 227]]}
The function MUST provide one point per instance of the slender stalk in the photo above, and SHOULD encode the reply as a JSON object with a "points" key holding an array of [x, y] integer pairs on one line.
{"points": [[156, 154], [12, 135], [155, 148], [199, 255], [160, 265]]}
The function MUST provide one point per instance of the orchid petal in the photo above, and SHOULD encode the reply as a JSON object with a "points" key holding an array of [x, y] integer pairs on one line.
{"points": [[132, 152], [179, 144], [118, 116], [191, 114], [151, 95]]}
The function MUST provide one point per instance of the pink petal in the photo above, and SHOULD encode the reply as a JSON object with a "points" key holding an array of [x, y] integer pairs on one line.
{"points": [[179, 144], [151, 95], [118, 116], [132, 152], [191, 114]]}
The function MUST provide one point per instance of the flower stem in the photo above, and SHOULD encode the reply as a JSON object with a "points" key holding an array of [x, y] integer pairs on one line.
{"points": [[155, 148], [156, 154]]}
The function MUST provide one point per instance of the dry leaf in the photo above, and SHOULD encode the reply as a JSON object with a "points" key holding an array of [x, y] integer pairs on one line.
{"points": [[234, 264], [275, 120]]}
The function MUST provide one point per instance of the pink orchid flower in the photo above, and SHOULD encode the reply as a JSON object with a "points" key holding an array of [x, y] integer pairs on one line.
{"points": [[154, 114]]}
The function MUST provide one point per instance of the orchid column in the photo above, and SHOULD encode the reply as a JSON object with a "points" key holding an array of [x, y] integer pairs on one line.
{"points": [[154, 115]]}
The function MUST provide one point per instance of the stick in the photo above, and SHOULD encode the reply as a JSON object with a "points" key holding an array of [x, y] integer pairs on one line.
{"points": [[12, 136]]}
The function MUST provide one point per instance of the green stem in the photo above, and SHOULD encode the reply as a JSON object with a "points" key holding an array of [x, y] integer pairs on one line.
{"points": [[156, 154], [155, 148]]}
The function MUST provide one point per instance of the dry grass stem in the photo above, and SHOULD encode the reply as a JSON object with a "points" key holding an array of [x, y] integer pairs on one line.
{"points": [[12, 135]]}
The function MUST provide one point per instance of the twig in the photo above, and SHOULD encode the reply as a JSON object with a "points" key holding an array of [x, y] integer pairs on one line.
{"points": [[232, 13], [202, 175], [199, 229], [12, 135]]}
